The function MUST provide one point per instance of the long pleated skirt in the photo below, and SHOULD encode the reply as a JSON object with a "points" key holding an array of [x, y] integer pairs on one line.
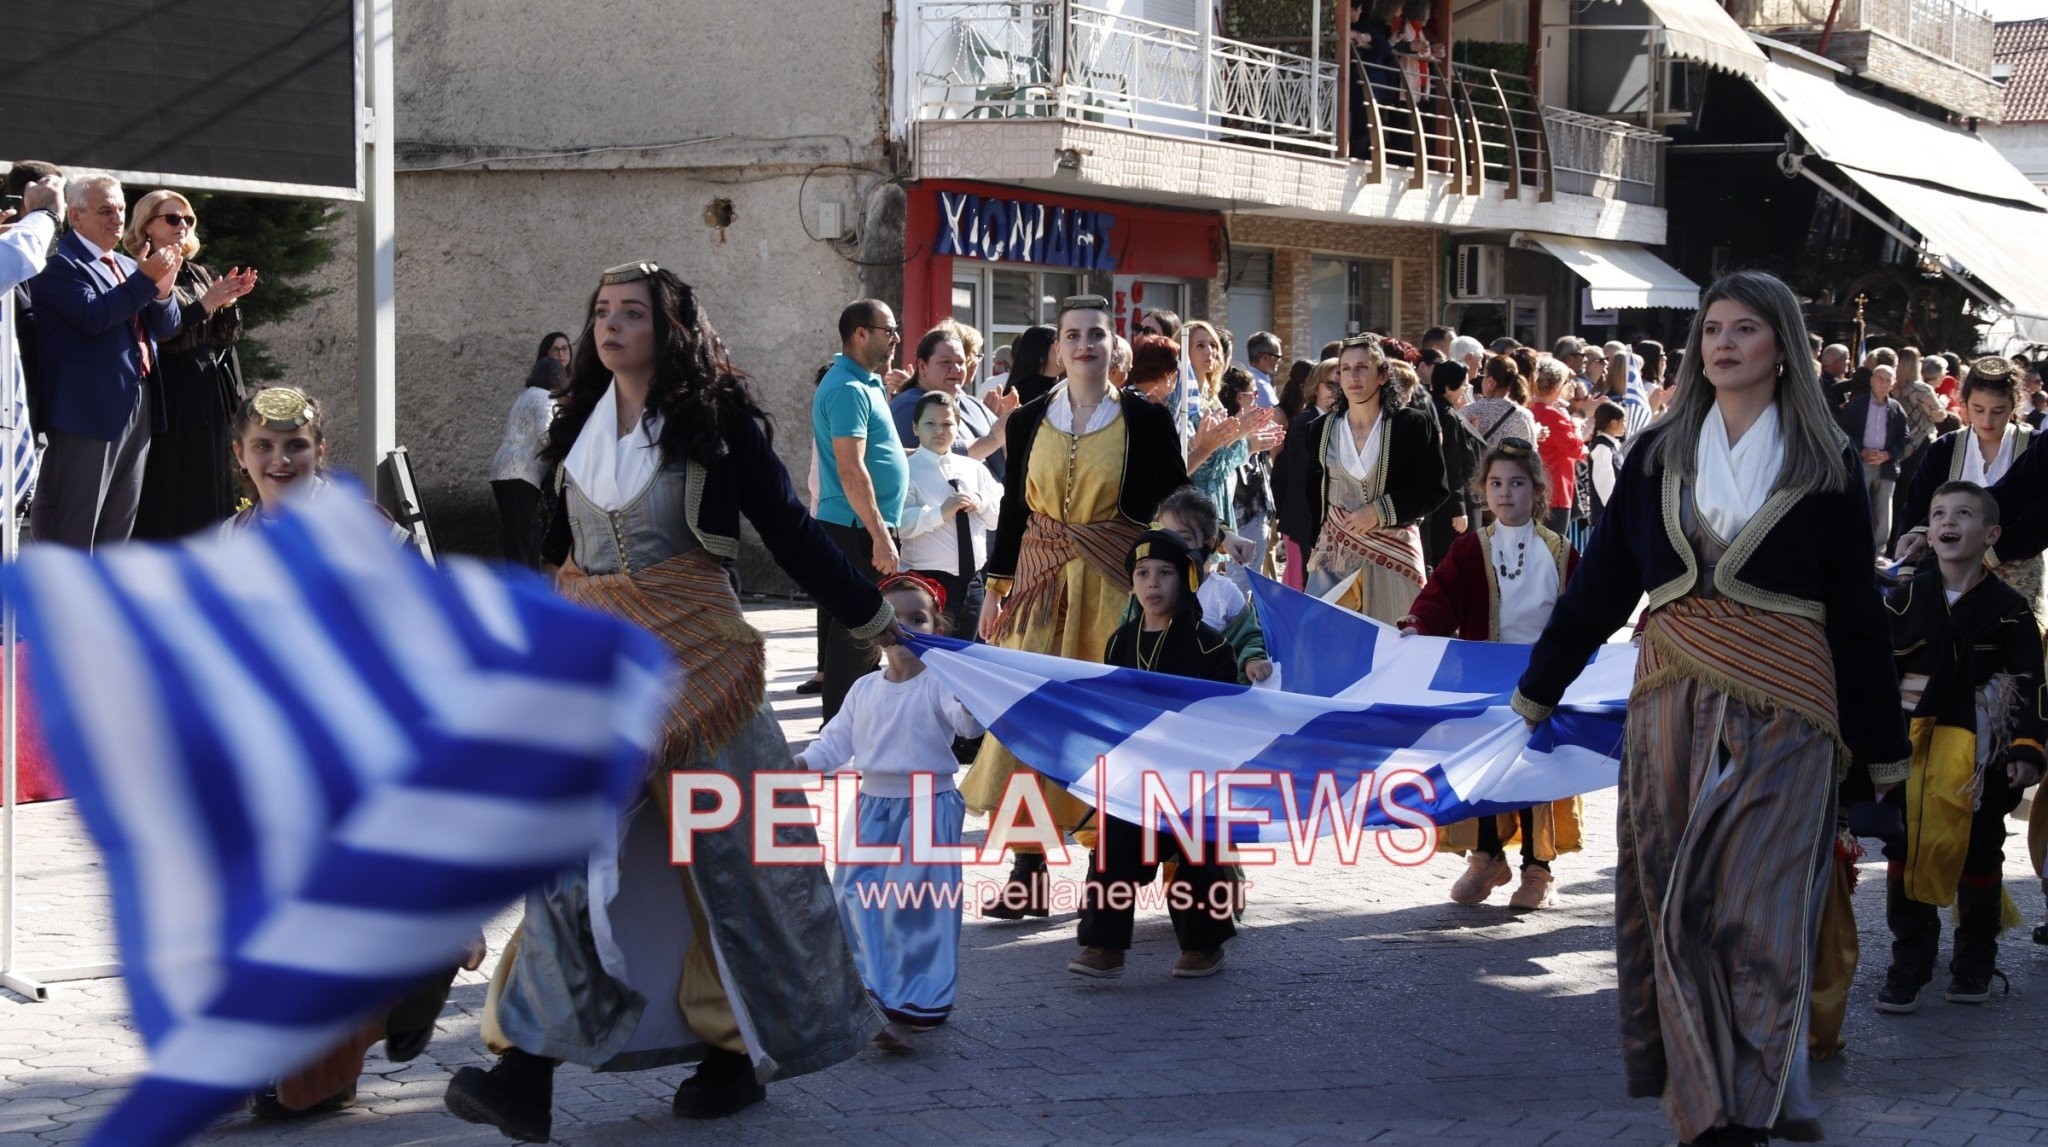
{"points": [[902, 920], [1727, 811]]}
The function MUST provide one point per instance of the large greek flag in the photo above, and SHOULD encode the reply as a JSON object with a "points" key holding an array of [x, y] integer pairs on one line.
{"points": [[1360, 703], [316, 766]]}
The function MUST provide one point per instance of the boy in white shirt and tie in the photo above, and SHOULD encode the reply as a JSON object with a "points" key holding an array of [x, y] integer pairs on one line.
{"points": [[949, 508]]}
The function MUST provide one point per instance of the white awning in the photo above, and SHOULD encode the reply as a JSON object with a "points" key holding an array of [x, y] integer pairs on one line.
{"points": [[1976, 209], [1852, 130], [1702, 30], [2000, 244], [1620, 274]]}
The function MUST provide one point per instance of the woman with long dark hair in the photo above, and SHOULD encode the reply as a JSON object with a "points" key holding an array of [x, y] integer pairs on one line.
{"points": [[1449, 390], [516, 469], [1364, 476], [740, 966], [1029, 378], [1765, 674]]}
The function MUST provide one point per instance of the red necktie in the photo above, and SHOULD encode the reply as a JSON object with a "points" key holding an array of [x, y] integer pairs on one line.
{"points": [[141, 339]]}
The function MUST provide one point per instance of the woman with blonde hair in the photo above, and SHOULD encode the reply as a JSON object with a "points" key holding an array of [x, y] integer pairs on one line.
{"points": [[1221, 442], [188, 480], [1738, 515]]}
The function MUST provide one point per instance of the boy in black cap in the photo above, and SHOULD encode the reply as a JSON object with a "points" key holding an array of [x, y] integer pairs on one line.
{"points": [[1167, 636]]}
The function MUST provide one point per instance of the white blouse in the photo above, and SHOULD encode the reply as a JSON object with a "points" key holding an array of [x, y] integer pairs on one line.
{"points": [[1060, 412], [1734, 481], [611, 469], [1974, 469], [1525, 601], [1359, 458]]}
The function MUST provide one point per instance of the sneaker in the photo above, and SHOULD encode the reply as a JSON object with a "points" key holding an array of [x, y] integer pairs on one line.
{"points": [[723, 1084], [1483, 874], [1102, 963], [1535, 890], [1900, 994], [1195, 965], [1972, 986]]}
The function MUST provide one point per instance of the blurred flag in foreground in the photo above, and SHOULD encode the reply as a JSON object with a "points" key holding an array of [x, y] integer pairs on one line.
{"points": [[316, 765]]}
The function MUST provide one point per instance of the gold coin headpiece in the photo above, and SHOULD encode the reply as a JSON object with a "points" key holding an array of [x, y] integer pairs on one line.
{"points": [[281, 408], [628, 273]]}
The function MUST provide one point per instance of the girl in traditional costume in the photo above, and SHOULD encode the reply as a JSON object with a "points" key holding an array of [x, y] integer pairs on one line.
{"points": [[633, 962], [1764, 674], [1500, 583], [1086, 465], [1364, 476]]}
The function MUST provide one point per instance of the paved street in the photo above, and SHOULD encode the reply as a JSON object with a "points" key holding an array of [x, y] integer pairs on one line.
{"points": [[1358, 1005]]}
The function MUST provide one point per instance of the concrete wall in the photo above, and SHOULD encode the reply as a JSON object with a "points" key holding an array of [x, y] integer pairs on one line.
{"points": [[500, 240], [2025, 144]]}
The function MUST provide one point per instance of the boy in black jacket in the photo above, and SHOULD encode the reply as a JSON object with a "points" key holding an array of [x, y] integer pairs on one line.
{"points": [[1969, 658], [1167, 636]]}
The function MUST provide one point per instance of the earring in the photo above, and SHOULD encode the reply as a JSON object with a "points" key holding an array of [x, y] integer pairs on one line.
{"points": [[1781, 368]]}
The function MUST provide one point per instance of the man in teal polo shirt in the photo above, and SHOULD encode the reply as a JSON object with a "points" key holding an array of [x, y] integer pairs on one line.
{"points": [[862, 472]]}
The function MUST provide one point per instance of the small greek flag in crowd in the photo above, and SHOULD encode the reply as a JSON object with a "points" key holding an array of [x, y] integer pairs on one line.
{"points": [[1360, 700], [316, 766]]}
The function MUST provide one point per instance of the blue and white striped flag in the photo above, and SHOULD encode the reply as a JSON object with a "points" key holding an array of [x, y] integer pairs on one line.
{"points": [[316, 765], [1363, 701]]}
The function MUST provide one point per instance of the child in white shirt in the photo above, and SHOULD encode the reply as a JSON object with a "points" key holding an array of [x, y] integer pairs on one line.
{"points": [[902, 919], [948, 493]]}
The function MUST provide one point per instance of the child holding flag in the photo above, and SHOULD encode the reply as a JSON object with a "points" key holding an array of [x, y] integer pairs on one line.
{"points": [[896, 725], [1499, 583], [1167, 637]]}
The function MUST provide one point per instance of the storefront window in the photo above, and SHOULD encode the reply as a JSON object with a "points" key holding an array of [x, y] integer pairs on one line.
{"points": [[1348, 297], [1003, 301]]}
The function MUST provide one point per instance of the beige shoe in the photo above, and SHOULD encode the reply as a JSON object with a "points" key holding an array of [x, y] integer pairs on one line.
{"points": [[1535, 890], [1102, 963], [1483, 874], [1195, 965]]}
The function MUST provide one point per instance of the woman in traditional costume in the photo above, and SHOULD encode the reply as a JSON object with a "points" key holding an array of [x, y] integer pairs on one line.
{"points": [[1087, 463], [1363, 477], [1764, 674], [632, 962]]}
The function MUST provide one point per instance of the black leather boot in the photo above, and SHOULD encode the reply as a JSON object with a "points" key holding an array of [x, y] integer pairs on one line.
{"points": [[1026, 892], [1976, 957], [723, 1084], [1916, 940], [517, 1097]]}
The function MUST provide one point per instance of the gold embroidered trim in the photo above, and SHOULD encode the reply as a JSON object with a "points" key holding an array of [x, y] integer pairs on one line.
{"points": [[1530, 710], [693, 502], [1674, 532]]}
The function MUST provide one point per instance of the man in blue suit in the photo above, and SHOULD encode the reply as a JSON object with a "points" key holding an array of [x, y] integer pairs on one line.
{"points": [[98, 317]]}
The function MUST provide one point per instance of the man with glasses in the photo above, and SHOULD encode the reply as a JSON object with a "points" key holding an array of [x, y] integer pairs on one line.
{"points": [[1262, 354], [862, 472]]}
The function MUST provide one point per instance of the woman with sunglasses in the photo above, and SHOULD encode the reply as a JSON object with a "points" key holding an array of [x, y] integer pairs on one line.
{"points": [[1764, 682], [631, 962], [188, 480], [1363, 477]]}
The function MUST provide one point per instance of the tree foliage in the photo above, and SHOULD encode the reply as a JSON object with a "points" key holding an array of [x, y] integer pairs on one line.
{"points": [[287, 240]]}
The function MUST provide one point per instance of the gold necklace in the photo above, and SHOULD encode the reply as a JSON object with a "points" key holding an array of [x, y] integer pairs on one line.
{"points": [[1157, 647]]}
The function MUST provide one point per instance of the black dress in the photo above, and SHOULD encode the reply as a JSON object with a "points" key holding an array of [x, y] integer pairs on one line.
{"points": [[188, 481]]}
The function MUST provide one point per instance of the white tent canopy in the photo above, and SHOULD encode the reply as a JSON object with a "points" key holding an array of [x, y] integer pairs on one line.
{"points": [[1618, 274], [1702, 30]]}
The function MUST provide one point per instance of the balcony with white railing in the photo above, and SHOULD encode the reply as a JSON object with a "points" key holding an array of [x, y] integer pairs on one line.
{"points": [[1069, 93], [1935, 50], [1020, 60]]}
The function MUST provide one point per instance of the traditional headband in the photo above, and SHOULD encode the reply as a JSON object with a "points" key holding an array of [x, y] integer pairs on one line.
{"points": [[907, 580], [1083, 303], [628, 273], [282, 409], [1157, 543], [1372, 341]]}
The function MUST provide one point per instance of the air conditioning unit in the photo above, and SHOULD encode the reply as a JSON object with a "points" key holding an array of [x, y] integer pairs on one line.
{"points": [[1480, 272]]}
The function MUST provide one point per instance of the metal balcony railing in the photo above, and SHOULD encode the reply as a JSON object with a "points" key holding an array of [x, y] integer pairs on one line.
{"points": [[1019, 59], [1604, 158], [1475, 125], [1941, 28]]}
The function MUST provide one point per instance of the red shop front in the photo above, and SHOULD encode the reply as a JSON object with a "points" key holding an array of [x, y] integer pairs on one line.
{"points": [[999, 259]]}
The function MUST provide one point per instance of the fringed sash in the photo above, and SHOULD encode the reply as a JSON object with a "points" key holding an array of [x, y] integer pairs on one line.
{"points": [[688, 602], [1048, 545], [1764, 659], [1399, 549]]}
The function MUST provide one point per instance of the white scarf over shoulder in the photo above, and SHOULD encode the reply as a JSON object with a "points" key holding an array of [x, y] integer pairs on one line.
{"points": [[1734, 481], [611, 469]]}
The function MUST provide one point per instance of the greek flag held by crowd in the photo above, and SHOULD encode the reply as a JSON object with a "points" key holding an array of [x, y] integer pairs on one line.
{"points": [[316, 765], [1360, 702]]}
